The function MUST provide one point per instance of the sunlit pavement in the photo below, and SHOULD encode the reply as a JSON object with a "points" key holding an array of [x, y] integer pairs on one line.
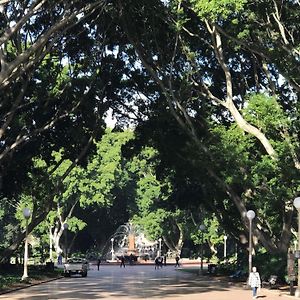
{"points": [[138, 282]]}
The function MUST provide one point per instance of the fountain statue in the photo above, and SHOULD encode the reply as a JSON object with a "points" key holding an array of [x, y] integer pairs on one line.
{"points": [[131, 242]]}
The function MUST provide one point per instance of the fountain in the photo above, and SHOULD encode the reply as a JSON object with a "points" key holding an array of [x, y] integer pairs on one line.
{"points": [[129, 241]]}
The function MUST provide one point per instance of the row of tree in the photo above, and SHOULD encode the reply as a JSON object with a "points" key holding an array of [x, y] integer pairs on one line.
{"points": [[98, 198], [211, 88]]}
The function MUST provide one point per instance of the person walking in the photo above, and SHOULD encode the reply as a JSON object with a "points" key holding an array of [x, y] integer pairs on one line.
{"points": [[157, 262], [131, 259], [98, 263], [122, 261], [177, 261], [254, 282], [165, 260], [59, 259]]}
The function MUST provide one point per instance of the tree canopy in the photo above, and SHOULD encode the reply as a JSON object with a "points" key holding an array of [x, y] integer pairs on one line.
{"points": [[210, 89]]}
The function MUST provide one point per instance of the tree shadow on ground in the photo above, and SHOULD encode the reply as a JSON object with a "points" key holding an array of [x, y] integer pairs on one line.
{"points": [[133, 283]]}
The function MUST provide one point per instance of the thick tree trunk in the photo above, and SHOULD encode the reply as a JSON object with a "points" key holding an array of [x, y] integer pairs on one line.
{"points": [[245, 126], [58, 231], [175, 247], [181, 239]]}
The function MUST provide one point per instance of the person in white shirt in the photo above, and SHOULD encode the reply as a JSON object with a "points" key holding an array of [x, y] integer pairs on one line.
{"points": [[254, 282]]}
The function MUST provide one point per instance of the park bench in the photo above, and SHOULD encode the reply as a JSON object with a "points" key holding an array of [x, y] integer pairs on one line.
{"points": [[272, 282]]}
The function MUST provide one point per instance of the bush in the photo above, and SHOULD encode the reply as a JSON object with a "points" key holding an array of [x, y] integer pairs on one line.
{"points": [[269, 264], [11, 274]]}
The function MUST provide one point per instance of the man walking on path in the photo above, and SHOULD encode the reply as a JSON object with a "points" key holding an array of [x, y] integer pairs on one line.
{"points": [[165, 260], [98, 263], [122, 261], [157, 262], [177, 261]]}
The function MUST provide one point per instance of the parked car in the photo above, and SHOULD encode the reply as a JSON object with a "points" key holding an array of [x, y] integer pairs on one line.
{"points": [[76, 266]]}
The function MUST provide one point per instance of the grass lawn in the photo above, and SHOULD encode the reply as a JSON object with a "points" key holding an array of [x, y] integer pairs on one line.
{"points": [[10, 276]]}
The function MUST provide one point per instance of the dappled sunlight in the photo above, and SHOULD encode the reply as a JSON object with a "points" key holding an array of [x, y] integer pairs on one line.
{"points": [[132, 282]]}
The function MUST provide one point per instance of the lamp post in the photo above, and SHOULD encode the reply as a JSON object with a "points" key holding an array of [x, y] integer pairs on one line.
{"points": [[50, 244], [159, 251], [201, 228], [297, 205], [26, 214], [66, 226], [112, 249], [250, 216], [225, 246]]}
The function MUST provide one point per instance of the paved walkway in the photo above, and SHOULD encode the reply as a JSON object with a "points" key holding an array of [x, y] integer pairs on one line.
{"points": [[139, 282]]}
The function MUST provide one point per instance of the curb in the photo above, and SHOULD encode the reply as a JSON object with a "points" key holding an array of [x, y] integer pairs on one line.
{"points": [[282, 294], [3, 292]]}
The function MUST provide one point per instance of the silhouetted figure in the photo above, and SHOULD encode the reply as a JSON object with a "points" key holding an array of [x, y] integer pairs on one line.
{"points": [[161, 261], [131, 259], [59, 259], [165, 260], [177, 261], [98, 263], [156, 262], [122, 261]]}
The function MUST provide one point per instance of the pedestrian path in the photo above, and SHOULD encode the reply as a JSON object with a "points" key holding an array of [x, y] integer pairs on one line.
{"points": [[140, 282]]}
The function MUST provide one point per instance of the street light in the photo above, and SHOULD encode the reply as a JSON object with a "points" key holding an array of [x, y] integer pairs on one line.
{"points": [[26, 214], [112, 249], [297, 205], [250, 216], [159, 251], [50, 244], [202, 228], [66, 226], [225, 246]]}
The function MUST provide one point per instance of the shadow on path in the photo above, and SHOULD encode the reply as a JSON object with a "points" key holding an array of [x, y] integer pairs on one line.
{"points": [[131, 283]]}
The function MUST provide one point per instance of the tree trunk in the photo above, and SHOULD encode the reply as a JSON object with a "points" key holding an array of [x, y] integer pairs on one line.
{"points": [[181, 239], [58, 231], [36, 220]]}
